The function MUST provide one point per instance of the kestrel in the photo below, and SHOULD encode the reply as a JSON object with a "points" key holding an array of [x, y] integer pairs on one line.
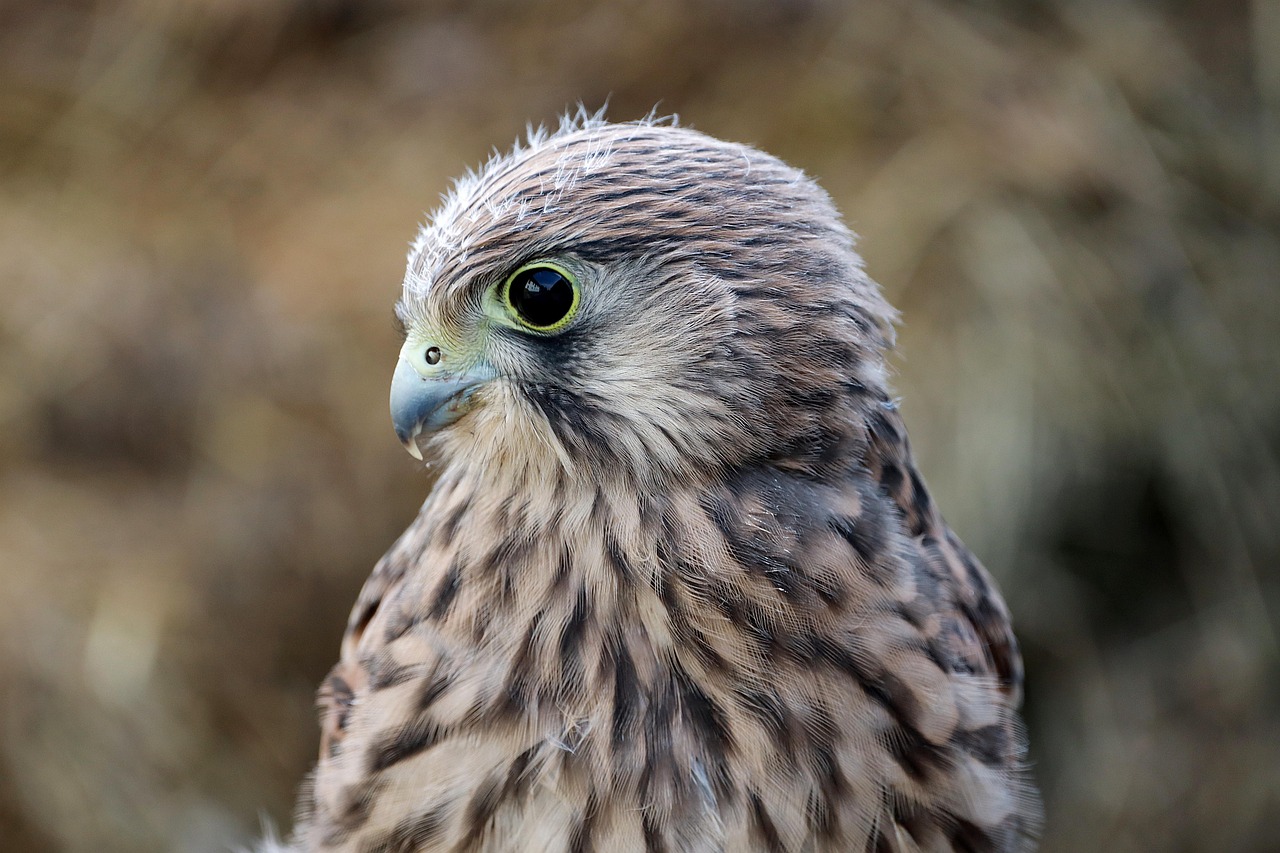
{"points": [[679, 585]]}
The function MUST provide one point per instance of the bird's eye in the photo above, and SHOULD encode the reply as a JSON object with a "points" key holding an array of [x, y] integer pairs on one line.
{"points": [[542, 296]]}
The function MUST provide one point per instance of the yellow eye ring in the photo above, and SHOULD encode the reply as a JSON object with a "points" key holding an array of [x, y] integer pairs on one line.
{"points": [[541, 296]]}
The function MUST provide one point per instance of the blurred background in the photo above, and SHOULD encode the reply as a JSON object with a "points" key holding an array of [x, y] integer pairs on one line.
{"points": [[204, 210]]}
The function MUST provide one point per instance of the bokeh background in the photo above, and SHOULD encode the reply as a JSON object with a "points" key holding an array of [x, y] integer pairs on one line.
{"points": [[204, 209]]}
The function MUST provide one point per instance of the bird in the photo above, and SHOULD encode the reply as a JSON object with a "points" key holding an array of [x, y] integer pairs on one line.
{"points": [[679, 584]]}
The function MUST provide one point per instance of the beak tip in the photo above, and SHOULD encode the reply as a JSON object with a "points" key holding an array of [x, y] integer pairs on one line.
{"points": [[409, 438], [426, 405]]}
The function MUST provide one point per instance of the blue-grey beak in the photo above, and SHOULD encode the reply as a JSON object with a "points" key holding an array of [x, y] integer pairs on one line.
{"points": [[425, 398]]}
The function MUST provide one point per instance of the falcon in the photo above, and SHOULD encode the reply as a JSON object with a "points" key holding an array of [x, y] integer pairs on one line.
{"points": [[679, 585]]}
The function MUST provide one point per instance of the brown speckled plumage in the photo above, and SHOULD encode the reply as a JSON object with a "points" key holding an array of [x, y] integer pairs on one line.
{"points": [[680, 586]]}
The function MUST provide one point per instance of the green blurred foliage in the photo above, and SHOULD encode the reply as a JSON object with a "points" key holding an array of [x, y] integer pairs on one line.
{"points": [[204, 207]]}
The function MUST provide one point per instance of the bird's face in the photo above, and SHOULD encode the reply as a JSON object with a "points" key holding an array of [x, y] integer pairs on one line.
{"points": [[621, 297], [568, 360], [445, 362]]}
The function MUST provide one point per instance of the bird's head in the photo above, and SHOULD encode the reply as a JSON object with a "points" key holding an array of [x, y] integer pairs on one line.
{"points": [[636, 298]]}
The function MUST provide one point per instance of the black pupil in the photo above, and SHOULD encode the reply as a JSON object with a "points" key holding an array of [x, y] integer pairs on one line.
{"points": [[542, 296]]}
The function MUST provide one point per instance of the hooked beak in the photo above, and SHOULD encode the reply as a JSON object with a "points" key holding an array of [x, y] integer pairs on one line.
{"points": [[426, 397]]}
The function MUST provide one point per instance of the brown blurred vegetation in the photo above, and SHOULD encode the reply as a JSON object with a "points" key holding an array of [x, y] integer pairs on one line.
{"points": [[204, 207]]}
